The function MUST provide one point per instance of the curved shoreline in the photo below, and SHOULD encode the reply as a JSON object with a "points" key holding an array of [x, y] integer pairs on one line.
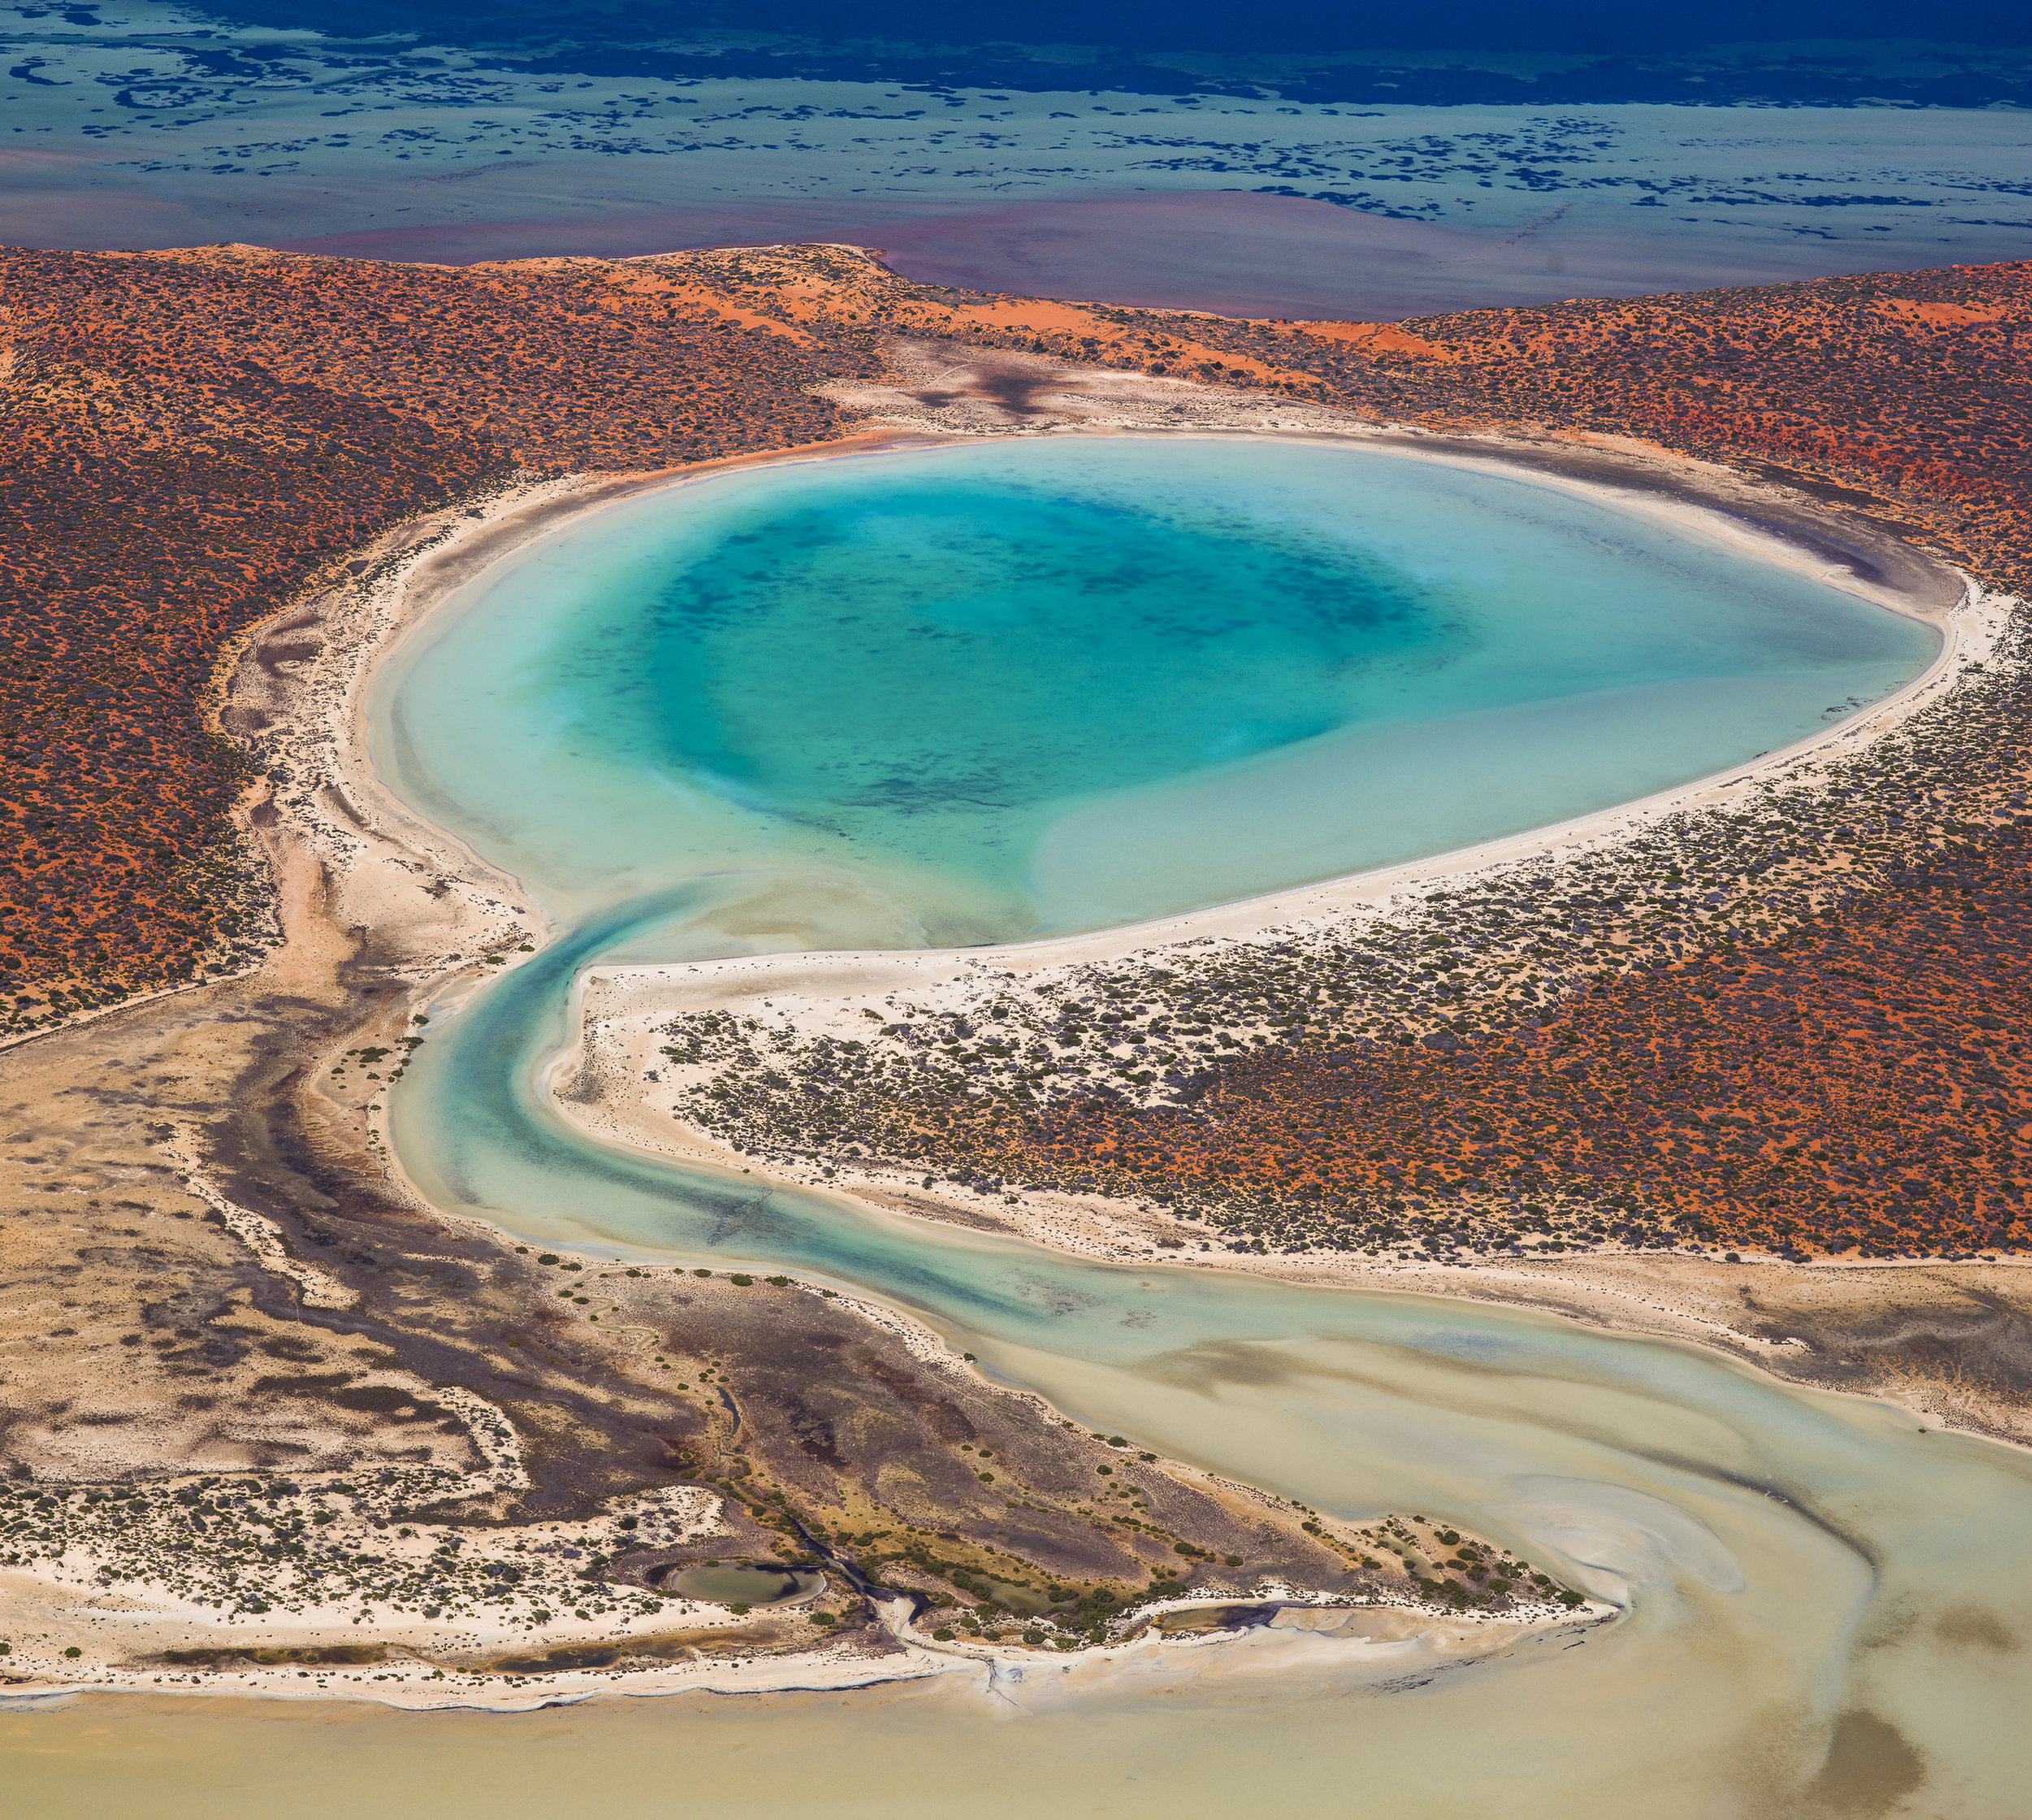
{"points": [[364, 834], [1653, 1294], [1691, 497], [1936, 595]]}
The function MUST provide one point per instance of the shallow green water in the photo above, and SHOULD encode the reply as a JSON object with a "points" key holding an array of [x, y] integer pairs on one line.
{"points": [[972, 693], [754, 1586], [1826, 1611]]}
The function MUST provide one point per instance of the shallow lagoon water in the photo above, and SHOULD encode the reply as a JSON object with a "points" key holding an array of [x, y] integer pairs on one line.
{"points": [[981, 693], [1825, 1615], [1825, 1611]]}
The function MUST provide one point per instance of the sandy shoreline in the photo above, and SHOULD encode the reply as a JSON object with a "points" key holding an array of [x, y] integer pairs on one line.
{"points": [[386, 868], [1695, 1300], [1967, 621], [1358, 1645]]}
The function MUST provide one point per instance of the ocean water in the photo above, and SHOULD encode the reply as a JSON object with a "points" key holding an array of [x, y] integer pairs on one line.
{"points": [[1535, 180], [976, 693]]}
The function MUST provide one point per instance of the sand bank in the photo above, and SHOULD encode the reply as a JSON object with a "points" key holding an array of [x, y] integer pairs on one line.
{"points": [[351, 856], [1356, 1646]]}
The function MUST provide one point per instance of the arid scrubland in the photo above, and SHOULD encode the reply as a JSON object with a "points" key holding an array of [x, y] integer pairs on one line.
{"points": [[1795, 1025], [1792, 1024], [194, 438]]}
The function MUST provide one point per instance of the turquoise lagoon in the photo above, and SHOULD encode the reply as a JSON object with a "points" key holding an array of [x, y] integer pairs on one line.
{"points": [[1824, 1608], [973, 694]]}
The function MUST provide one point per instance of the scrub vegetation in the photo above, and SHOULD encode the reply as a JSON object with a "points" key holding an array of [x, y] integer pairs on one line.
{"points": [[194, 438], [1796, 1025], [189, 439]]}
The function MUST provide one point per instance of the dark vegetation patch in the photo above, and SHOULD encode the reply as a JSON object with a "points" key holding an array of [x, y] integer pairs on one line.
{"points": [[336, 1655]]}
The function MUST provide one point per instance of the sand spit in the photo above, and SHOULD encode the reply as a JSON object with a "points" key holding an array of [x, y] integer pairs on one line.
{"points": [[1373, 1648], [819, 994]]}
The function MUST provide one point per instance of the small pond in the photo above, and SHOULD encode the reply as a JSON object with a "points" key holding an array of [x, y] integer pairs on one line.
{"points": [[745, 1585]]}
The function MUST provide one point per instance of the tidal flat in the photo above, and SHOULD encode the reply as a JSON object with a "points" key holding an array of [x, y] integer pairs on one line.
{"points": [[1242, 201], [1781, 1583], [1336, 1398]]}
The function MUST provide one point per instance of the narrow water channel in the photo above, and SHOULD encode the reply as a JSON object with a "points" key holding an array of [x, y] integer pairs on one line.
{"points": [[1825, 1610]]}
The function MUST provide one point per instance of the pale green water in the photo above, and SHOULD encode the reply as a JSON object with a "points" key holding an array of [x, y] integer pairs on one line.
{"points": [[1794, 1558], [979, 693], [1794, 1569], [757, 1586]]}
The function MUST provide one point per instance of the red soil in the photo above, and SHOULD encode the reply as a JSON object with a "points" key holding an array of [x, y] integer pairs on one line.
{"points": [[1864, 1082], [191, 437]]}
